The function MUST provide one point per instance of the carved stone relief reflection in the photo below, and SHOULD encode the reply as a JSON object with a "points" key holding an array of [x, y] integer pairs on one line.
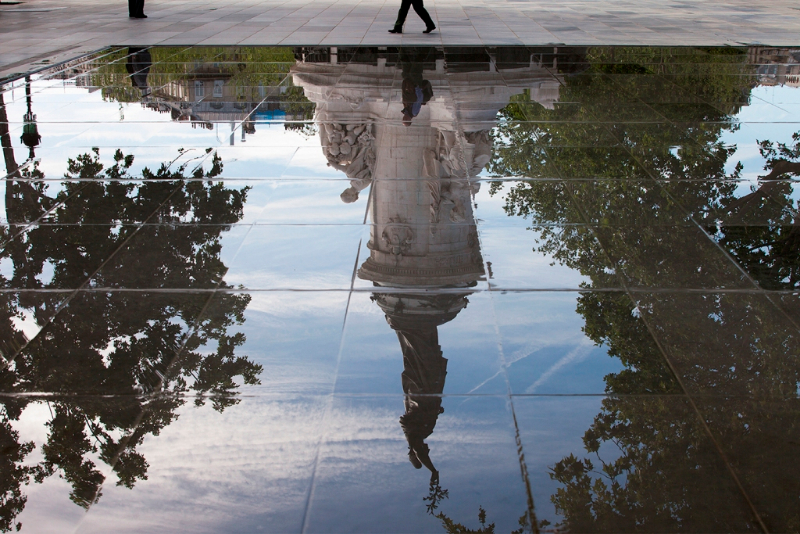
{"points": [[397, 236]]}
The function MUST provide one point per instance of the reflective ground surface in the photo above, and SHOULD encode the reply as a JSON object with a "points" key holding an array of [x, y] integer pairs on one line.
{"points": [[415, 290]]}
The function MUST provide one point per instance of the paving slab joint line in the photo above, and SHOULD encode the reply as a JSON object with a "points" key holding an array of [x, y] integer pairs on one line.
{"points": [[331, 396]]}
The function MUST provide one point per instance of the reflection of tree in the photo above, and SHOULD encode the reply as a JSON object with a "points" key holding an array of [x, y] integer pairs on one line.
{"points": [[654, 465], [117, 360], [667, 477], [436, 494], [453, 527], [245, 68], [13, 474], [770, 251], [623, 194]]}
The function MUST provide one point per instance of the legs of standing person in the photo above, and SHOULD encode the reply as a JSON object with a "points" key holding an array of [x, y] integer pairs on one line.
{"points": [[419, 8], [136, 8], [405, 5]]}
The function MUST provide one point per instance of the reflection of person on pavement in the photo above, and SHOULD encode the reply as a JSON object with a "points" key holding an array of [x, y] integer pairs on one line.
{"points": [[423, 383], [416, 91], [138, 67]]}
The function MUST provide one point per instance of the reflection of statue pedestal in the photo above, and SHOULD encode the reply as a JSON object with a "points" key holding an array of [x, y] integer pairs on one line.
{"points": [[422, 175], [423, 232]]}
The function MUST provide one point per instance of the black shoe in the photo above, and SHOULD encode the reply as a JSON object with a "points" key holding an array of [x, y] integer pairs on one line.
{"points": [[429, 30], [396, 30], [139, 16]]}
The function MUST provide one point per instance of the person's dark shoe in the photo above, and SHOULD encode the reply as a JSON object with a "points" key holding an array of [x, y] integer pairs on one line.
{"points": [[140, 16], [396, 30], [429, 30]]}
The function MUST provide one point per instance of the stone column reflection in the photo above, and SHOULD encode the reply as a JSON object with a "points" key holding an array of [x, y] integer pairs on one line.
{"points": [[419, 135]]}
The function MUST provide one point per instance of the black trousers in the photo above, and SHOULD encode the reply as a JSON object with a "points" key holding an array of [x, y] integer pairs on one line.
{"points": [[419, 8], [135, 7]]}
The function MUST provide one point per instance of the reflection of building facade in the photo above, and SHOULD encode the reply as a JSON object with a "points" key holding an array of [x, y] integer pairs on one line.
{"points": [[211, 95], [776, 66], [204, 94], [421, 163]]}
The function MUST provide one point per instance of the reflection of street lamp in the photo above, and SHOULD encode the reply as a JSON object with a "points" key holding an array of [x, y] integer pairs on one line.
{"points": [[30, 131]]}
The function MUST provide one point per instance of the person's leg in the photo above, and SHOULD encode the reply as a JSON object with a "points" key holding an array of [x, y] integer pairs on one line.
{"points": [[405, 5], [136, 8], [419, 7]]}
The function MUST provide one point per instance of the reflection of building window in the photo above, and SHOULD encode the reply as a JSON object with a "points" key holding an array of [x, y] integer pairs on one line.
{"points": [[199, 90], [218, 88]]}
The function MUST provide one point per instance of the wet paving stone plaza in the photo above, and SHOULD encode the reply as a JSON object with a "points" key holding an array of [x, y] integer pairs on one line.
{"points": [[426, 289]]}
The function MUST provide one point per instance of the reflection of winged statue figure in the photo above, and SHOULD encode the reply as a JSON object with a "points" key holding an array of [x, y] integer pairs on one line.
{"points": [[416, 319], [423, 382]]}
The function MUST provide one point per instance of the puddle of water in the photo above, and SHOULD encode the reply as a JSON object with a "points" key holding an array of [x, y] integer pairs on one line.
{"points": [[252, 289]]}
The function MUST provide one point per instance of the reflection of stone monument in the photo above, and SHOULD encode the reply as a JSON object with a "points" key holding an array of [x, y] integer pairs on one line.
{"points": [[421, 155], [415, 318]]}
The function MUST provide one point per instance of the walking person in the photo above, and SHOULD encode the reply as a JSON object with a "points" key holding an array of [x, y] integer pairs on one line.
{"points": [[420, 10], [136, 9]]}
